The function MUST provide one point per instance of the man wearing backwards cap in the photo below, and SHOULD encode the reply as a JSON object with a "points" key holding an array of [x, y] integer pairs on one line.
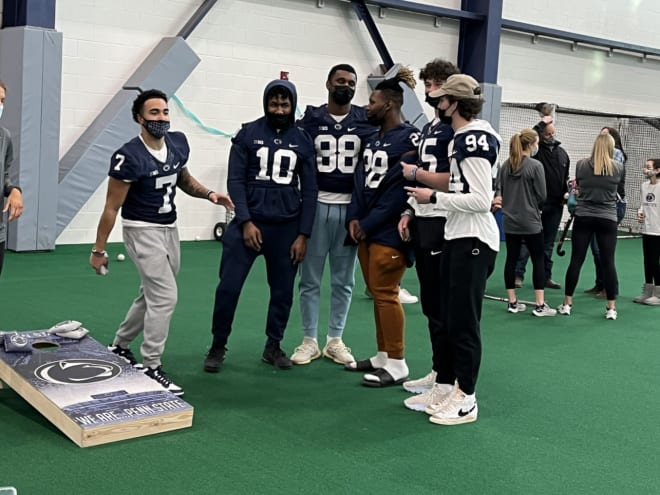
{"points": [[472, 243]]}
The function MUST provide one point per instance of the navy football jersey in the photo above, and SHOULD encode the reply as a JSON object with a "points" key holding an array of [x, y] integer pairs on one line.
{"points": [[337, 145], [477, 143], [433, 145], [379, 197], [271, 175], [153, 183]]}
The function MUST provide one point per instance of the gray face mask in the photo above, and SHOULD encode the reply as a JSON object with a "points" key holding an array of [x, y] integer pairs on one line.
{"points": [[157, 128]]}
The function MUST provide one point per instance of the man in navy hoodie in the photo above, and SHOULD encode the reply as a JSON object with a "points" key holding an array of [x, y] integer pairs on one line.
{"points": [[272, 180]]}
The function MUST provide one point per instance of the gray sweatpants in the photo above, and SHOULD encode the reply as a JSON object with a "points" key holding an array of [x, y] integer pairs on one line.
{"points": [[157, 256]]}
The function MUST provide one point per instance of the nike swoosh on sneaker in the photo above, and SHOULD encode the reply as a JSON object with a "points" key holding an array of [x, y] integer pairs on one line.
{"points": [[462, 413], [435, 253]]}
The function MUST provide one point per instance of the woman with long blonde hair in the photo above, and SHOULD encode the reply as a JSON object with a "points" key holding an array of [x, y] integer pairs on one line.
{"points": [[597, 179]]}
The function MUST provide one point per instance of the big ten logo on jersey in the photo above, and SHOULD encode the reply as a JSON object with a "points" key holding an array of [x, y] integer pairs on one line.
{"points": [[277, 164], [337, 153]]}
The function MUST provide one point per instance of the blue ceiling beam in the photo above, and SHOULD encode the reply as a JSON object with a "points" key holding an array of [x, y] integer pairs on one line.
{"points": [[37, 13]]}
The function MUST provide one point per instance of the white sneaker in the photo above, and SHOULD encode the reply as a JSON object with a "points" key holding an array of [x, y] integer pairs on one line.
{"points": [[516, 307], [306, 352], [564, 309], [544, 310], [406, 297], [458, 409], [433, 395], [336, 350], [610, 314], [421, 384], [434, 407]]}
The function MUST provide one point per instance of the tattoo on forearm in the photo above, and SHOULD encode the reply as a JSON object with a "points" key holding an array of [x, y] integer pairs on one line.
{"points": [[189, 185]]}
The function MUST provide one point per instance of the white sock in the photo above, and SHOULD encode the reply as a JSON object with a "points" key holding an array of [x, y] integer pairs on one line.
{"points": [[397, 368], [379, 360]]}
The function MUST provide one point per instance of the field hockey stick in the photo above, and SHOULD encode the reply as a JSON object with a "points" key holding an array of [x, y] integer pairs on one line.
{"points": [[560, 251], [504, 299]]}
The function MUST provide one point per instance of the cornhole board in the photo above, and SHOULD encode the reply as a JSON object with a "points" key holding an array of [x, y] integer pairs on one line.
{"points": [[88, 392]]}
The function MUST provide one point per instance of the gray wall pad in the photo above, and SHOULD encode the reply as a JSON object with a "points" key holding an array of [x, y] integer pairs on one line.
{"points": [[493, 102], [31, 65], [84, 167]]}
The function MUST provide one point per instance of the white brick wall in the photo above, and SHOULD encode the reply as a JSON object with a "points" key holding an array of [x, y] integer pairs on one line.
{"points": [[243, 45]]}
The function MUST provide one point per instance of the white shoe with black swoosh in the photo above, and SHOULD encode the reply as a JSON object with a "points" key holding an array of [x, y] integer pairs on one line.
{"points": [[459, 409]]}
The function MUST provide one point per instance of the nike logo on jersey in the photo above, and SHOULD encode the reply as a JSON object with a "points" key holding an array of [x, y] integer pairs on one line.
{"points": [[177, 165], [435, 253], [293, 145], [351, 129], [462, 413], [153, 172], [385, 145], [437, 132]]}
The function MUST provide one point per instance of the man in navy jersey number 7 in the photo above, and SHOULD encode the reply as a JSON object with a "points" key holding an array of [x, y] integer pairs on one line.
{"points": [[272, 179], [144, 174]]}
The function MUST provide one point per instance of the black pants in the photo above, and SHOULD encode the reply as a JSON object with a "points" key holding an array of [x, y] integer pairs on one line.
{"points": [[534, 243], [651, 252], [237, 260], [428, 238], [584, 228], [550, 218], [466, 264]]}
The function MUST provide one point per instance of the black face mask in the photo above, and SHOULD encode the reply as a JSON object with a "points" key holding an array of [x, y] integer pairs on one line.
{"points": [[278, 121], [342, 95], [157, 128], [434, 102]]}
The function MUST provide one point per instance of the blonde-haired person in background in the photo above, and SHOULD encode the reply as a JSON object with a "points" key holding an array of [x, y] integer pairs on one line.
{"points": [[649, 215], [520, 192], [597, 179]]}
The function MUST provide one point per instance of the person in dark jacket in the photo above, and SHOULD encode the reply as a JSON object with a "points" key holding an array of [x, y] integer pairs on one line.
{"points": [[372, 221], [10, 190], [556, 164], [272, 180]]}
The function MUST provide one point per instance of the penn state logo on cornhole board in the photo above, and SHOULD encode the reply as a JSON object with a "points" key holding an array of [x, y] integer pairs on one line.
{"points": [[88, 392]]}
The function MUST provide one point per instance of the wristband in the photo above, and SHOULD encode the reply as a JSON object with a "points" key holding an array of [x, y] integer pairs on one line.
{"points": [[413, 174], [434, 198], [408, 212], [208, 194], [99, 253]]}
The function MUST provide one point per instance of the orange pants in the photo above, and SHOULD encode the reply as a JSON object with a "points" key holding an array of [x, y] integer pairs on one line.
{"points": [[382, 269]]}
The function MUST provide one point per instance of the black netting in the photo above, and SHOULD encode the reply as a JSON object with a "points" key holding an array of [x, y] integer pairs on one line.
{"points": [[577, 130]]}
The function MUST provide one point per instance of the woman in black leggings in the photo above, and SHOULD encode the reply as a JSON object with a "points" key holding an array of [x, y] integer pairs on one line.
{"points": [[597, 178]]}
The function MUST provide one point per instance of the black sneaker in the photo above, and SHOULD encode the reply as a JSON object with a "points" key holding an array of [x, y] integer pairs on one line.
{"points": [[276, 357], [126, 355], [159, 375], [214, 359]]}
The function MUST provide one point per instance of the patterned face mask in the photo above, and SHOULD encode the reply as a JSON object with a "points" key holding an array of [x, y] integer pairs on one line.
{"points": [[157, 128]]}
